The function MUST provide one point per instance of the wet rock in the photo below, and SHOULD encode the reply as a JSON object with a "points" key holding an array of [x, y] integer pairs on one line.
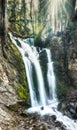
{"points": [[63, 127], [24, 114], [58, 124], [35, 127], [53, 118], [47, 118], [76, 109], [72, 110], [43, 56], [43, 126], [24, 103], [62, 106], [42, 108], [69, 108]]}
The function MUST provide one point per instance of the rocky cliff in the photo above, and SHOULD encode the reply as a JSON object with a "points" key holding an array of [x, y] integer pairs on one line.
{"points": [[13, 84]]}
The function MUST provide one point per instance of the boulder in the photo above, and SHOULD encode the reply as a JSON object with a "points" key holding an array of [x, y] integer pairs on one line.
{"points": [[68, 108]]}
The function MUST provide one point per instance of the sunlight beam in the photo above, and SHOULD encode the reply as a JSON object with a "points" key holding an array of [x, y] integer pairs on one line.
{"points": [[57, 13]]}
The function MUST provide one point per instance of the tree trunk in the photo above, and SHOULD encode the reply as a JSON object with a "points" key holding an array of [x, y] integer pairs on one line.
{"points": [[72, 7], [2, 25]]}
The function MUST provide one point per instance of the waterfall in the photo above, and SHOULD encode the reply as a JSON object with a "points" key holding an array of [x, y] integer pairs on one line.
{"points": [[25, 49], [30, 59], [51, 76], [38, 72], [28, 68], [30, 82]]}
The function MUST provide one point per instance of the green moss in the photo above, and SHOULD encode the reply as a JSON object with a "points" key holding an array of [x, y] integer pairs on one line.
{"points": [[23, 93], [19, 70], [22, 76]]}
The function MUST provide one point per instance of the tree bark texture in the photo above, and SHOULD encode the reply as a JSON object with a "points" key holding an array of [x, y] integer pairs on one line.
{"points": [[3, 25]]}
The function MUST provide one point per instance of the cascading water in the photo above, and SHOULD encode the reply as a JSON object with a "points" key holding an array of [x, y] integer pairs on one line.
{"points": [[28, 71], [25, 48], [51, 76], [29, 58], [38, 71], [30, 82]]}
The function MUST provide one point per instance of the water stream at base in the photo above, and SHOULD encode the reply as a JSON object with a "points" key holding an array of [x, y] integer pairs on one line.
{"points": [[30, 58]]}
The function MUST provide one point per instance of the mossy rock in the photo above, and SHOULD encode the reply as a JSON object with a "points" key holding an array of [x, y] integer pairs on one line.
{"points": [[15, 58]]}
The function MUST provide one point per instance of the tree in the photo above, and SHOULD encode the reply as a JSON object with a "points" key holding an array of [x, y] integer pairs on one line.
{"points": [[3, 25]]}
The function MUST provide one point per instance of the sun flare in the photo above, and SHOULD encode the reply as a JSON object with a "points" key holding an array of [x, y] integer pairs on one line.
{"points": [[57, 14]]}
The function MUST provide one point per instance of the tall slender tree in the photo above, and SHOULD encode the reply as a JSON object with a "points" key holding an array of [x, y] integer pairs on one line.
{"points": [[3, 25]]}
